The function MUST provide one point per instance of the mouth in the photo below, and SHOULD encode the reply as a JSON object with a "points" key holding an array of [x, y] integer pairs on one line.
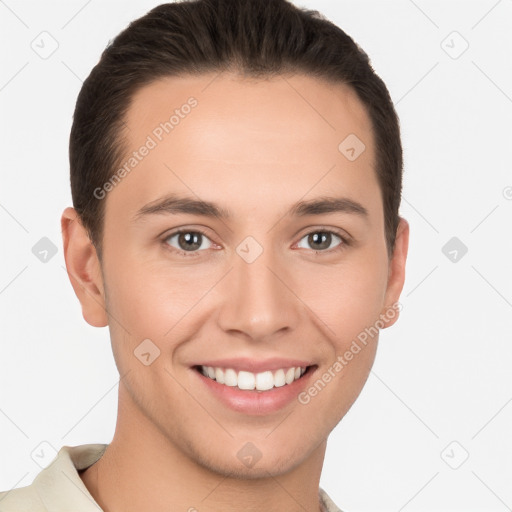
{"points": [[257, 382], [254, 394]]}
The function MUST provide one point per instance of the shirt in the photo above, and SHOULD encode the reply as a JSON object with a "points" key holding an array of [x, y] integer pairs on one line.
{"points": [[59, 488]]}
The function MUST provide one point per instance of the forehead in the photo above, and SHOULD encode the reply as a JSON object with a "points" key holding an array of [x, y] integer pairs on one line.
{"points": [[281, 135], [299, 105]]}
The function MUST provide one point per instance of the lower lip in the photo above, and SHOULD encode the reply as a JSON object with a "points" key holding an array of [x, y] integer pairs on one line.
{"points": [[256, 402]]}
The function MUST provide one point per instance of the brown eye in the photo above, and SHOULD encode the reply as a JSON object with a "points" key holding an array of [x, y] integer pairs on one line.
{"points": [[322, 240], [187, 241]]}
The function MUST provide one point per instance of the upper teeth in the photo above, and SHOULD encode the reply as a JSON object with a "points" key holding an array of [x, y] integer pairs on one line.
{"points": [[248, 380]]}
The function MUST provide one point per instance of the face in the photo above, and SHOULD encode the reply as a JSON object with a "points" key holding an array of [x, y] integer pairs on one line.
{"points": [[261, 276]]}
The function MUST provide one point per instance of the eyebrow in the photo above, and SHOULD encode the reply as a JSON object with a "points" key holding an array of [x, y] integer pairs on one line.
{"points": [[174, 204]]}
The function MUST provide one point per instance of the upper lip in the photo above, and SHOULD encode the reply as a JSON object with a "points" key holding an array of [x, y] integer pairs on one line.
{"points": [[255, 366]]}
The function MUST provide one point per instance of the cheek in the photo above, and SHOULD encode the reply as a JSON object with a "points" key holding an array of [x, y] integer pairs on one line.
{"points": [[350, 305], [346, 298], [152, 300], [150, 296]]}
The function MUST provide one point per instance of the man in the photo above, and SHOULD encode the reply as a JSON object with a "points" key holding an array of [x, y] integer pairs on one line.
{"points": [[236, 172]]}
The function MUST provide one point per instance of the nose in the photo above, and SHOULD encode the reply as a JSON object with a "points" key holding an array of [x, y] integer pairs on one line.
{"points": [[259, 300]]}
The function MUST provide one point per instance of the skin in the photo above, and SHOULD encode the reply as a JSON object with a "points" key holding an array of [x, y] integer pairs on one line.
{"points": [[255, 148]]}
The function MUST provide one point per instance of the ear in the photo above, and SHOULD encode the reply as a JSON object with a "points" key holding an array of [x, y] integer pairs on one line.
{"points": [[83, 268], [396, 274]]}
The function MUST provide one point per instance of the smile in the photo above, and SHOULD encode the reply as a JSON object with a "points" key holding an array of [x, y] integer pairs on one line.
{"points": [[244, 380]]}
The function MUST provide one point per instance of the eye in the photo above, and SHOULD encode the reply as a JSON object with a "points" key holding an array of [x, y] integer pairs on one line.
{"points": [[188, 241], [321, 240]]}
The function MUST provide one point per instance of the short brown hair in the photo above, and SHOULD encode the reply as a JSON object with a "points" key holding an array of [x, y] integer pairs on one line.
{"points": [[255, 38]]}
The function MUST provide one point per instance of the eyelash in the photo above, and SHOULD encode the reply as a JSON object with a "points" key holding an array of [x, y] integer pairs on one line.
{"points": [[345, 241]]}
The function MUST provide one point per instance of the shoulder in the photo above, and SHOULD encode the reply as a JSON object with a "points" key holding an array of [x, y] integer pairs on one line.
{"points": [[58, 486], [327, 504], [22, 499]]}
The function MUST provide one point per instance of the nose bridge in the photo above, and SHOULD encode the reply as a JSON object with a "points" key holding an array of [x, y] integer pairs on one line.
{"points": [[257, 302]]}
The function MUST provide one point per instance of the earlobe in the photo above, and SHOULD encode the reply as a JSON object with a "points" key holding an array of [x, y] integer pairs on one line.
{"points": [[396, 277], [83, 268]]}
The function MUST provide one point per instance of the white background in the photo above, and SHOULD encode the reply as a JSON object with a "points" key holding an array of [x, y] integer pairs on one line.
{"points": [[442, 373]]}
